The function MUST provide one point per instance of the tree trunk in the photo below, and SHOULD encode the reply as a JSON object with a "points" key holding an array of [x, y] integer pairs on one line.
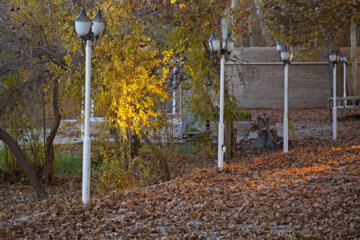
{"points": [[163, 163], [136, 145], [25, 166], [354, 65], [49, 149], [130, 149]]}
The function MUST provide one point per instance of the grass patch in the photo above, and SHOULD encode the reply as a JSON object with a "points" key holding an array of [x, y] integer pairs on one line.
{"points": [[68, 163], [67, 166], [1, 159]]}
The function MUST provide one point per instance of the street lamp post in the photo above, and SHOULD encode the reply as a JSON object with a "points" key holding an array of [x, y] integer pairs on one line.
{"points": [[88, 30], [333, 60], [175, 71], [224, 50], [279, 46], [343, 59], [286, 56]]}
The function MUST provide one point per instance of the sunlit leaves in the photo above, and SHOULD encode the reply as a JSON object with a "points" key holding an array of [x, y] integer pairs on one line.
{"points": [[128, 75]]}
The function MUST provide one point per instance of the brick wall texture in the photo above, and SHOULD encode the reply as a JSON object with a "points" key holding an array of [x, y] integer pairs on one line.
{"points": [[257, 79]]}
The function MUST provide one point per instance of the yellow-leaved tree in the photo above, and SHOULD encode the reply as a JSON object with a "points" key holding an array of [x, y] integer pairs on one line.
{"points": [[128, 87]]}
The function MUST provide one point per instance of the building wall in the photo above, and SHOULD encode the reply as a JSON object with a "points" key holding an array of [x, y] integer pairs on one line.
{"points": [[257, 80]]}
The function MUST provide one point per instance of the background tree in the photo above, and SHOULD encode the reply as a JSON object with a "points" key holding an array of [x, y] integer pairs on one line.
{"points": [[313, 26], [310, 24], [127, 85], [145, 39], [30, 43], [185, 27]]}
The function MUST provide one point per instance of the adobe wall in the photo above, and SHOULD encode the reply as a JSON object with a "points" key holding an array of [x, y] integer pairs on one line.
{"points": [[257, 80]]}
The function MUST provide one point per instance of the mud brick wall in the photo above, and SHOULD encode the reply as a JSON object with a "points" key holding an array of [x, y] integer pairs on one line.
{"points": [[257, 80]]}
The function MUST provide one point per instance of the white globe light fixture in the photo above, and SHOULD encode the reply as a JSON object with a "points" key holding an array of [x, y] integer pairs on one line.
{"points": [[333, 57], [82, 24], [278, 46], [343, 58], [228, 44], [88, 30], [214, 43], [98, 25]]}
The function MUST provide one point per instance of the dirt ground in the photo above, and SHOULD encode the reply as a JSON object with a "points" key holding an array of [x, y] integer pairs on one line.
{"points": [[312, 192], [313, 123], [307, 128]]}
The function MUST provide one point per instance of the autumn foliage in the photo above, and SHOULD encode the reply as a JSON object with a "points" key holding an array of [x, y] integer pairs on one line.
{"points": [[311, 25]]}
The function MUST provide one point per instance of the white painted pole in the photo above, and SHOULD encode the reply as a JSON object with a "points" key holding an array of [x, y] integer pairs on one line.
{"points": [[82, 110], [334, 112], [92, 109], [286, 132], [174, 91], [221, 148], [86, 139], [180, 100], [174, 103], [344, 83]]}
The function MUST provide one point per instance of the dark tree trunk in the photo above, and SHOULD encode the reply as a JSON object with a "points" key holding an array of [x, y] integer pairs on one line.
{"points": [[136, 145], [129, 158], [49, 147], [163, 163], [25, 166]]}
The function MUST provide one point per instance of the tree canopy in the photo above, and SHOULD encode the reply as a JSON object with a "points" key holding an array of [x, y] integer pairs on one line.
{"points": [[313, 25]]}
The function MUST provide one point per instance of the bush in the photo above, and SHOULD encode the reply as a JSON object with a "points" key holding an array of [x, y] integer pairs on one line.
{"points": [[114, 170]]}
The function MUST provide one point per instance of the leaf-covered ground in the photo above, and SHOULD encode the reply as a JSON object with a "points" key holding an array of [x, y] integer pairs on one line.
{"points": [[312, 192]]}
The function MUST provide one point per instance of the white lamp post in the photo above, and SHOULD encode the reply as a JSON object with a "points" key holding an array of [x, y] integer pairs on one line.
{"points": [[88, 30], [343, 59], [224, 50], [286, 56], [175, 71], [278, 46], [334, 59]]}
